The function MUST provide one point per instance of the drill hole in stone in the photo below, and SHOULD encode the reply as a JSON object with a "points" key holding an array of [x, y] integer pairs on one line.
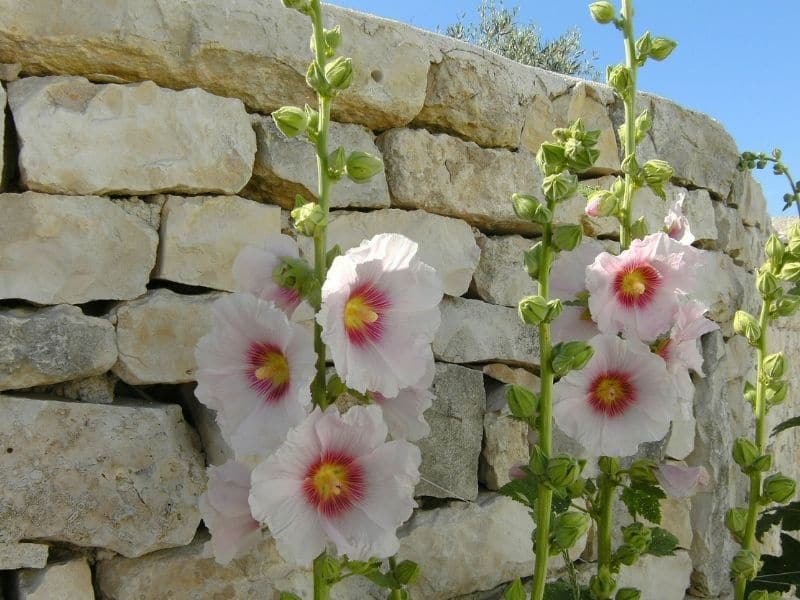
{"points": [[377, 75], [9, 450]]}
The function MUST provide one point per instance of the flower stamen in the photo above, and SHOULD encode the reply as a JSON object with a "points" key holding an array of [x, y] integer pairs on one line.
{"points": [[611, 393], [269, 372], [333, 483], [363, 314]]}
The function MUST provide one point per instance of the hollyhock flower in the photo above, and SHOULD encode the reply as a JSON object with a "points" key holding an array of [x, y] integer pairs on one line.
{"points": [[379, 314], [568, 283], [621, 398], [404, 414], [336, 479], [255, 268], [255, 369], [680, 481], [226, 512], [676, 224], [635, 292]]}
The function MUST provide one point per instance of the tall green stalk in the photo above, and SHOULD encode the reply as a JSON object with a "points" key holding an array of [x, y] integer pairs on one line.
{"points": [[322, 589], [629, 100]]}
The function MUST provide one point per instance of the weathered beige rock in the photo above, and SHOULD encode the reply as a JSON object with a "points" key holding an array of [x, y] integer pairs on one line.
{"points": [[501, 277], [662, 577], [58, 343], [9, 71], [71, 580], [201, 236], [505, 374], [743, 243], [505, 444], [255, 51], [285, 167], [147, 208], [72, 249], [3, 98], [77, 137], [448, 176], [750, 201], [98, 389], [727, 287], [22, 556], [448, 245], [450, 453], [125, 478], [215, 448], [157, 333], [474, 331]]}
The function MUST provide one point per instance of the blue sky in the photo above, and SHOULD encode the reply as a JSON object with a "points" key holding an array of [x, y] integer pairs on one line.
{"points": [[736, 61]]}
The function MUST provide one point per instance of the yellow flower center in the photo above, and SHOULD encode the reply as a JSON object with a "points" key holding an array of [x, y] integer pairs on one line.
{"points": [[358, 314], [610, 391], [274, 368], [329, 481], [634, 283]]}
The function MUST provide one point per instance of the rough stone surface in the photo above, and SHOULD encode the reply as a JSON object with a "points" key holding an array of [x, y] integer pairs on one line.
{"points": [[125, 478], [204, 419], [72, 249], [473, 331], [505, 444], [147, 208], [503, 376], [662, 577], [71, 580], [3, 98], [727, 288], [285, 167], [156, 336], [448, 245], [501, 277], [54, 344], [201, 236], [98, 389], [448, 176], [22, 556], [750, 202], [77, 137], [255, 51], [450, 454], [741, 242]]}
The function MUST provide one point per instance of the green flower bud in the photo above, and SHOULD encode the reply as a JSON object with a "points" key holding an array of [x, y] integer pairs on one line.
{"points": [[628, 594], [630, 166], [550, 158], [661, 48], [626, 555], [794, 232], [309, 219], [608, 465], [333, 37], [567, 237], [538, 461], [361, 166], [643, 46], [406, 572], [532, 258], [762, 463], [294, 273], [579, 155], [774, 365], [619, 78], [339, 73], [790, 271], [530, 209], [602, 12], [745, 324], [291, 121], [331, 568], [562, 471], [787, 305], [601, 203], [779, 488], [657, 171], [618, 187], [316, 80], [639, 229], [776, 393], [554, 308], [522, 402], [642, 125], [302, 6], [603, 584], [336, 164], [570, 356], [560, 186], [568, 527], [749, 393], [638, 536], [767, 284], [745, 453], [745, 564], [793, 246], [774, 250], [313, 123], [736, 522], [642, 471], [533, 310]]}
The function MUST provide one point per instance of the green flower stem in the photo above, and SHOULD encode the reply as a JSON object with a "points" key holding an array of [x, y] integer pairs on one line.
{"points": [[318, 387], [396, 594], [760, 410], [544, 500], [605, 522], [322, 589], [626, 209]]}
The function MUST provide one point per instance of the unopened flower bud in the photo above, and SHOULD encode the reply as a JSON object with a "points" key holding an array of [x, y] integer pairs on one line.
{"points": [[291, 121], [538, 461], [568, 527], [745, 453], [628, 593], [608, 465], [522, 402], [530, 209], [562, 471], [532, 258], [602, 12], [309, 219], [567, 237], [656, 173], [550, 158], [745, 324], [362, 166], [762, 463], [661, 48], [774, 365], [642, 471], [638, 536], [339, 73], [333, 37], [570, 356], [316, 80], [790, 271], [767, 284], [774, 251], [302, 6], [560, 186], [331, 567], [579, 155], [601, 203], [642, 125], [736, 522], [639, 229], [776, 393], [533, 310], [626, 555], [779, 488], [554, 308], [603, 584], [336, 164], [787, 305], [745, 564], [619, 78]]}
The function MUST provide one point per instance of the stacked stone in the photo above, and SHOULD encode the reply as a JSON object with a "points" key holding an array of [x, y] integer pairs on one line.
{"points": [[146, 160]]}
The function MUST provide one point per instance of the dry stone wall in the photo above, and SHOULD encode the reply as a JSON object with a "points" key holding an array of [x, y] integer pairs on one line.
{"points": [[141, 158]]}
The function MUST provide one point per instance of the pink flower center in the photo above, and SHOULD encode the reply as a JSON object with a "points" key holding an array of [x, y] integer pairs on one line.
{"points": [[662, 347], [268, 371], [611, 393], [636, 284], [334, 483], [363, 314]]}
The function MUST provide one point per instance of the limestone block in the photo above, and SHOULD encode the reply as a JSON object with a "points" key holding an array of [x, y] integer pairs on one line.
{"points": [[285, 167], [450, 453], [77, 137], [505, 444], [731, 230], [147, 208], [727, 288], [750, 203], [124, 478], [448, 176], [3, 98], [201, 236], [54, 344], [9, 71], [22, 556], [502, 375], [71, 580], [448, 245], [253, 50], [157, 333], [98, 389], [72, 249], [501, 277], [474, 331], [662, 577]]}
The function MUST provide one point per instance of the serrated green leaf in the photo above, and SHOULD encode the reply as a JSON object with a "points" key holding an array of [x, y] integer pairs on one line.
{"points": [[787, 517], [779, 573], [787, 424], [515, 591], [643, 499], [662, 542], [561, 590], [382, 579], [523, 490]]}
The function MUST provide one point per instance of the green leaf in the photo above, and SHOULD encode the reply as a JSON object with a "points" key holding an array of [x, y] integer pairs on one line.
{"points": [[289, 596], [521, 490], [515, 591], [779, 573], [407, 572], [563, 590], [787, 517], [662, 542], [787, 424], [382, 579], [643, 499]]}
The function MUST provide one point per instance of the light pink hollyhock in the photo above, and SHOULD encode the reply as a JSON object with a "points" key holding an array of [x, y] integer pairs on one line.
{"points": [[255, 267], [680, 481], [255, 369], [379, 314], [226, 512], [336, 480], [404, 414], [635, 292], [621, 398], [676, 224], [567, 282]]}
